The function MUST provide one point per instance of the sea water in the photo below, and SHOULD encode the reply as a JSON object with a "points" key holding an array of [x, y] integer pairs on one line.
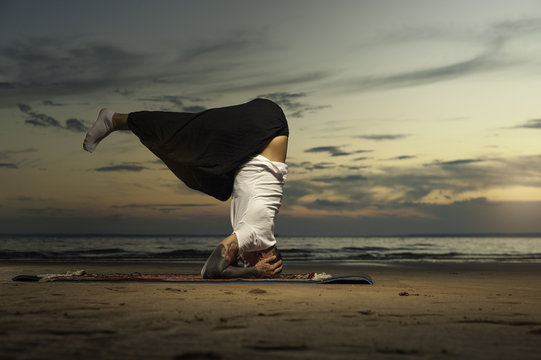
{"points": [[184, 248]]}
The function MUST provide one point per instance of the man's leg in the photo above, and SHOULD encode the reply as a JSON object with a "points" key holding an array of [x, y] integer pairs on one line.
{"points": [[107, 122], [120, 121], [276, 150]]}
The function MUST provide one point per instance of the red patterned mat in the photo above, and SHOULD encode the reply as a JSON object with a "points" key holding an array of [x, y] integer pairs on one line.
{"points": [[81, 275]]}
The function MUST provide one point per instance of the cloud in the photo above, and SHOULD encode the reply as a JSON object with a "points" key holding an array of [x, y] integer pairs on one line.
{"points": [[165, 208], [332, 150], [340, 179], [124, 92], [46, 211], [456, 162], [531, 124], [320, 166], [225, 47], [324, 203], [290, 103], [414, 187], [39, 67], [178, 102], [172, 99], [8, 165], [125, 167], [490, 57], [403, 157], [194, 108], [68, 64], [382, 137], [51, 103], [354, 167], [43, 120], [30, 198], [483, 62], [76, 125], [35, 123], [8, 154], [296, 189]]}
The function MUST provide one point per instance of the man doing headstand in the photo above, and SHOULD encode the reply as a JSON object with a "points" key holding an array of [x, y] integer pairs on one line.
{"points": [[235, 151]]}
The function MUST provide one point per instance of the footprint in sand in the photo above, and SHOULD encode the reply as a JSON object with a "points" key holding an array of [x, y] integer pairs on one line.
{"points": [[257, 291]]}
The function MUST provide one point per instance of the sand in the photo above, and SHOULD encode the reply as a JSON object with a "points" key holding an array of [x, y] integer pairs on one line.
{"points": [[413, 311]]}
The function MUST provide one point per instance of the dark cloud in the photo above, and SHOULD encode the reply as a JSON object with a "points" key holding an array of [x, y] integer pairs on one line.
{"points": [[29, 198], [473, 216], [160, 205], [24, 108], [68, 65], [47, 66], [354, 167], [291, 104], [194, 108], [46, 211], [9, 154], [476, 64], [126, 167], [296, 189], [456, 162], [226, 47], [307, 165], [382, 137], [178, 102], [51, 103], [165, 208], [172, 99], [332, 150], [320, 166], [274, 81], [324, 203], [35, 123], [325, 165], [407, 187], [124, 92], [402, 157], [512, 28], [8, 165], [76, 125], [43, 120], [489, 58], [531, 124], [340, 179]]}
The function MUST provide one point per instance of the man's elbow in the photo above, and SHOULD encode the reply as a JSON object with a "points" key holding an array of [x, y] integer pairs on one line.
{"points": [[211, 272]]}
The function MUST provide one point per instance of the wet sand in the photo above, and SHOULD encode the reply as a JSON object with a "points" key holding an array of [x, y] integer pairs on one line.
{"points": [[414, 311]]}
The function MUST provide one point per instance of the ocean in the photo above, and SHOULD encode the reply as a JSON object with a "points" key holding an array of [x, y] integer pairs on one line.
{"points": [[181, 248]]}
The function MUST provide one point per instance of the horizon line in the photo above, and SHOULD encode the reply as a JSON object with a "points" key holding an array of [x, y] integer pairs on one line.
{"points": [[484, 234]]}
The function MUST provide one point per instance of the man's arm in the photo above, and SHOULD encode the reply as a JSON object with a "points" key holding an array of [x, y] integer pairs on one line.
{"points": [[221, 263]]}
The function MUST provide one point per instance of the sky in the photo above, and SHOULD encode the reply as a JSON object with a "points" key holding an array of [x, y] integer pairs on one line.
{"points": [[406, 117]]}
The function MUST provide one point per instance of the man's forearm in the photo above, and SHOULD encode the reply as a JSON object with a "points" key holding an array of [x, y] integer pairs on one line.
{"points": [[218, 266], [239, 272]]}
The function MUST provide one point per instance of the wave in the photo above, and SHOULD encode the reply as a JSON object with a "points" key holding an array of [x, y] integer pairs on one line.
{"points": [[345, 254]]}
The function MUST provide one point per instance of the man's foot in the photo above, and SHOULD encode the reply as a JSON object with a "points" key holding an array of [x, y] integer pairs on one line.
{"points": [[101, 128]]}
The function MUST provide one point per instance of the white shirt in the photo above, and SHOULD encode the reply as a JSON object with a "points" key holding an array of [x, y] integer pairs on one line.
{"points": [[256, 199]]}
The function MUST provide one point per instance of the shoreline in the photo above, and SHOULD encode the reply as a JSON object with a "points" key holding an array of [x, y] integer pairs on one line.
{"points": [[418, 310]]}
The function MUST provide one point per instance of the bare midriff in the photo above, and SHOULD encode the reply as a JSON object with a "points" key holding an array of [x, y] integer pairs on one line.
{"points": [[276, 150]]}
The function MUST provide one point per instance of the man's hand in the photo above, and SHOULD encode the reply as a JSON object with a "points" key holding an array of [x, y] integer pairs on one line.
{"points": [[265, 267]]}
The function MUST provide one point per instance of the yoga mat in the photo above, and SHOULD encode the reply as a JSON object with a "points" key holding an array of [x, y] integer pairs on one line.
{"points": [[308, 278]]}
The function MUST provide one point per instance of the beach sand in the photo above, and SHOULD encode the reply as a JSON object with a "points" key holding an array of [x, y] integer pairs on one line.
{"points": [[413, 311]]}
